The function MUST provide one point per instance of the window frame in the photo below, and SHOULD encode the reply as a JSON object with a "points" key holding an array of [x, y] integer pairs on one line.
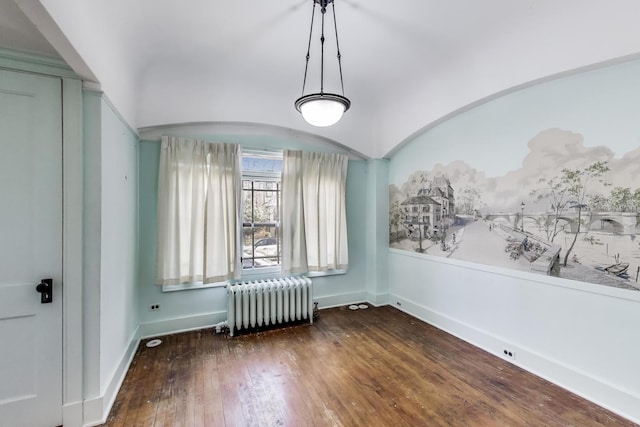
{"points": [[269, 177]]}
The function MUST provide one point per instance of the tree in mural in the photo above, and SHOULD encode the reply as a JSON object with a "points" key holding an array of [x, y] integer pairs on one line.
{"points": [[555, 190], [578, 183], [636, 201], [468, 200], [569, 190], [624, 200], [621, 199], [599, 203], [395, 217], [416, 182]]}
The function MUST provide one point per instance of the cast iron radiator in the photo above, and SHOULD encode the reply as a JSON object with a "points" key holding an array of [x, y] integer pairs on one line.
{"points": [[269, 302]]}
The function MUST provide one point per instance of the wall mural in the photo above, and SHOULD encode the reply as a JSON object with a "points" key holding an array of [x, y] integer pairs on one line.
{"points": [[569, 211], [543, 180]]}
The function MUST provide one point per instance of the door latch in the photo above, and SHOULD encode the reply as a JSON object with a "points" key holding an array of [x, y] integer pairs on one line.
{"points": [[45, 287]]}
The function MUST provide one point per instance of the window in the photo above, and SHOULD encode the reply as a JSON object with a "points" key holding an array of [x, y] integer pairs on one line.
{"points": [[219, 214], [261, 189]]}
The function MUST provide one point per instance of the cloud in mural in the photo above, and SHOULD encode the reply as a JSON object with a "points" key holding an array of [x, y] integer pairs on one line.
{"points": [[627, 169], [550, 151], [554, 149]]}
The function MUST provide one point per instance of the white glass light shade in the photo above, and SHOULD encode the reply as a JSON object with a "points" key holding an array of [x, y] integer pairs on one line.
{"points": [[322, 109], [322, 112]]}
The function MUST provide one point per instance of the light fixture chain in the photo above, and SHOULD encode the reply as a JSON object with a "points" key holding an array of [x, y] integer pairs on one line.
{"points": [[306, 65], [323, 9], [335, 25]]}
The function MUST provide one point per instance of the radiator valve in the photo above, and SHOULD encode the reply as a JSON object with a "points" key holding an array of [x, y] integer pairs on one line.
{"points": [[316, 311], [221, 325]]}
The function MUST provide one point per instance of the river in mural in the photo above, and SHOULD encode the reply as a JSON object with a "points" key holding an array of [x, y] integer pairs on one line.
{"points": [[568, 210]]}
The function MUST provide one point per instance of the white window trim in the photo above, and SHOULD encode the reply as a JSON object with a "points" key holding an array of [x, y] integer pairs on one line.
{"points": [[193, 285], [325, 273], [262, 273]]}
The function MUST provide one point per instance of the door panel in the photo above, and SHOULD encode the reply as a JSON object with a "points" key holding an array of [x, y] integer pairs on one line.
{"points": [[30, 249]]}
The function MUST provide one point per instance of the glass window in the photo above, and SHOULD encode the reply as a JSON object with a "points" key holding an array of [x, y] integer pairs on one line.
{"points": [[261, 243]]}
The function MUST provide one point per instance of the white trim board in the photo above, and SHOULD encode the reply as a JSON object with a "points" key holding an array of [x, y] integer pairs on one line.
{"points": [[97, 409]]}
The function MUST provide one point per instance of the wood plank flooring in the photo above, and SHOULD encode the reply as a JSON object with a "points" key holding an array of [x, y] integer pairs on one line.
{"points": [[374, 367]]}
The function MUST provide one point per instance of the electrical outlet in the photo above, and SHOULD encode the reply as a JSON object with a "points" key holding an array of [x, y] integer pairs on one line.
{"points": [[154, 307], [510, 354]]}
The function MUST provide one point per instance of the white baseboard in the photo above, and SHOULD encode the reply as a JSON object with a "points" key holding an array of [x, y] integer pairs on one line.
{"points": [[96, 410], [330, 301], [72, 414], [599, 392], [208, 320], [180, 324], [378, 299]]}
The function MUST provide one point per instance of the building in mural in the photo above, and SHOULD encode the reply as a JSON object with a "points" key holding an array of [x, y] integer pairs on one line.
{"points": [[429, 212]]}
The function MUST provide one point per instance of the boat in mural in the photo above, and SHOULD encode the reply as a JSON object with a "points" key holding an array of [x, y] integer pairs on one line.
{"points": [[617, 269]]}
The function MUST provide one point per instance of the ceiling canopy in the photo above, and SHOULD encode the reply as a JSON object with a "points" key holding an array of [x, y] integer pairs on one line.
{"points": [[406, 64]]}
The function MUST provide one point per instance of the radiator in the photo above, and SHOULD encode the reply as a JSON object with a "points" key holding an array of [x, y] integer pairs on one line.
{"points": [[269, 302]]}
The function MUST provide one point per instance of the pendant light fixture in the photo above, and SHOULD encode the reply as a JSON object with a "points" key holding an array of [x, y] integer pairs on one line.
{"points": [[322, 109]]}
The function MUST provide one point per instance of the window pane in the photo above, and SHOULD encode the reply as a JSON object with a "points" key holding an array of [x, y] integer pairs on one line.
{"points": [[265, 262], [265, 185], [261, 247], [258, 236], [261, 213], [247, 216], [261, 164], [261, 204]]}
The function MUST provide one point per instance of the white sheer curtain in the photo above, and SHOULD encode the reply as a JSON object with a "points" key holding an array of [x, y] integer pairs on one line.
{"points": [[199, 188], [223, 214], [314, 221], [294, 246]]}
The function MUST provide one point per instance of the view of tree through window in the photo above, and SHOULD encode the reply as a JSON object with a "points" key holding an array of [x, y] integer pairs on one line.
{"points": [[261, 244]]}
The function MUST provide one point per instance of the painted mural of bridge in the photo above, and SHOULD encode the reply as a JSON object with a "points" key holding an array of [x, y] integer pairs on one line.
{"points": [[623, 223]]}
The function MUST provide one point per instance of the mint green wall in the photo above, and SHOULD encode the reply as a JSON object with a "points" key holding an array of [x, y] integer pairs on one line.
{"points": [[119, 242], [92, 205], [194, 308], [110, 249], [377, 242], [578, 335]]}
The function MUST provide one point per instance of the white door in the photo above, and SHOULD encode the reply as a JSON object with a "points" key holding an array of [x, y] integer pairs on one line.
{"points": [[30, 250]]}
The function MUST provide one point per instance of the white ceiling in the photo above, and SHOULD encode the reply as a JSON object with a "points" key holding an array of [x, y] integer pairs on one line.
{"points": [[406, 63], [18, 32]]}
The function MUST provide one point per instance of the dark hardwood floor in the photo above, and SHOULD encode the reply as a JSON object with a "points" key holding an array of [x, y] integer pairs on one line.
{"points": [[373, 367]]}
